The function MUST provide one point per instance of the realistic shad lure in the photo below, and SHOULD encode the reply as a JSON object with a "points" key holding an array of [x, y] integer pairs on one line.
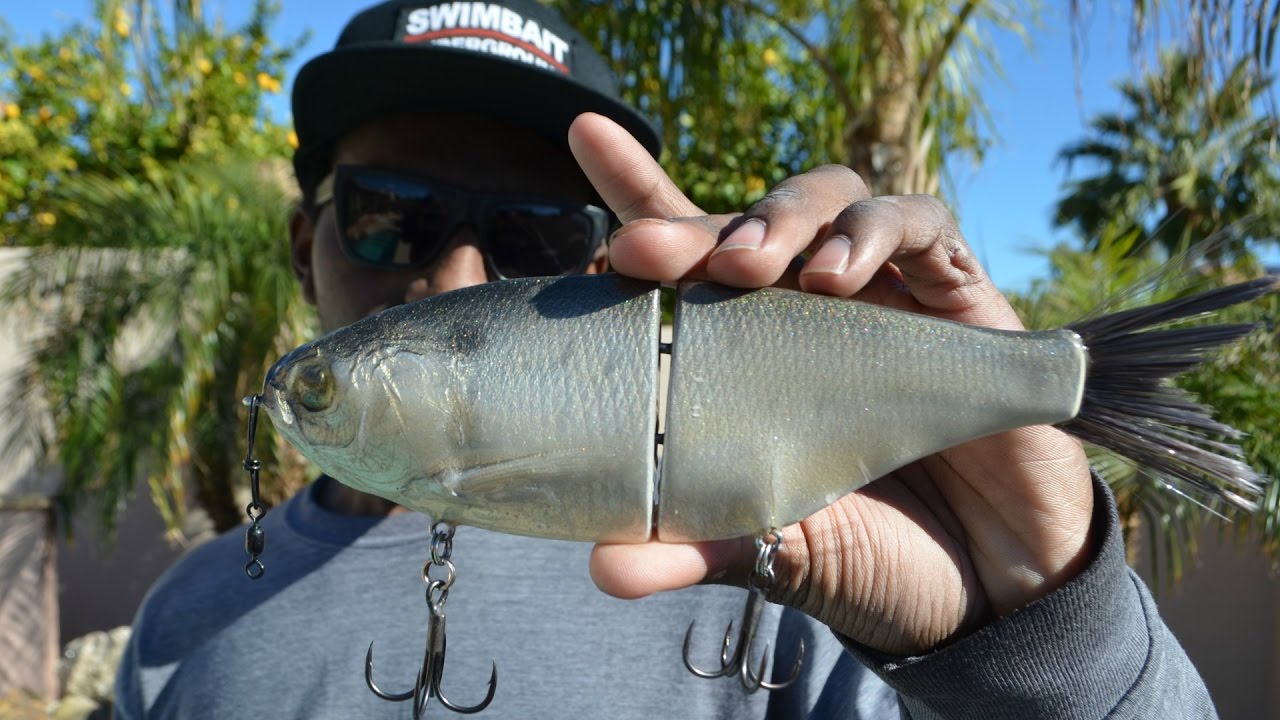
{"points": [[530, 406]]}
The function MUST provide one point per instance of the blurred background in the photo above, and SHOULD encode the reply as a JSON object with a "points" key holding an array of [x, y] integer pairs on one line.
{"points": [[145, 286]]}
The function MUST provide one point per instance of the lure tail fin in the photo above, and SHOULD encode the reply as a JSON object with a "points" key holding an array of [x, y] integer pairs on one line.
{"points": [[1130, 408]]}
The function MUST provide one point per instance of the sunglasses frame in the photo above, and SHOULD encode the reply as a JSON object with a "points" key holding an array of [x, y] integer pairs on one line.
{"points": [[462, 207]]}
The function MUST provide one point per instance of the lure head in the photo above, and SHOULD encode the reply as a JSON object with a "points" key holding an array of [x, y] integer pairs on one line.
{"points": [[483, 406], [337, 401]]}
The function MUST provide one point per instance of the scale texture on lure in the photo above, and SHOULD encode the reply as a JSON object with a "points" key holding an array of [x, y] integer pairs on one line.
{"points": [[530, 406]]}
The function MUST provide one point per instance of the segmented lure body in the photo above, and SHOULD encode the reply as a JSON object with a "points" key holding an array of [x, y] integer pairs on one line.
{"points": [[530, 406]]}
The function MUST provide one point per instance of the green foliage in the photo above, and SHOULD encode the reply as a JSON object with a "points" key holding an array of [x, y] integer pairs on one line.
{"points": [[719, 90], [142, 172], [1184, 158], [1244, 384], [189, 291], [1220, 33], [124, 93], [748, 94]]}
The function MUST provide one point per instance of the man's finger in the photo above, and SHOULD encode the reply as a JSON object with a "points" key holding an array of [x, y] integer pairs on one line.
{"points": [[759, 248], [919, 236], [624, 173], [666, 250], [633, 571], [755, 249]]}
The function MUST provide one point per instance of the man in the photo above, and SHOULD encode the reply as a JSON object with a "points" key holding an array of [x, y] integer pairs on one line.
{"points": [[986, 581]]}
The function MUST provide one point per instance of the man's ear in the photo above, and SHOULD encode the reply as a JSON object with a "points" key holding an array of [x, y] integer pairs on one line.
{"points": [[301, 238]]}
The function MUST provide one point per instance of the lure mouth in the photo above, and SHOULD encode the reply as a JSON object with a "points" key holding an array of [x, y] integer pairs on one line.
{"points": [[272, 402], [273, 388], [279, 374], [300, 382]]}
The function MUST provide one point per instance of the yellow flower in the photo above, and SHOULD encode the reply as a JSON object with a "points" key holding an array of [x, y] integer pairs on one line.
{"points": [[204, 66], [64, 54], [126, 89], [770, 56], [292, 139], [46, 219], [95, 94], [12, 111], [35, 72], [45, 113], [754, 185], [240, 78], [268, 83], [121, 23]]}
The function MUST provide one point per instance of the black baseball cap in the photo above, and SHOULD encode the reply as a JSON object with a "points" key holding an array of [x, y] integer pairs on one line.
{"points": [[514, 59]]}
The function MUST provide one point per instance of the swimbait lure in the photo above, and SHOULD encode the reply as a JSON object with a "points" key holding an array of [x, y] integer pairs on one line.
{"points": [[530, 406]]}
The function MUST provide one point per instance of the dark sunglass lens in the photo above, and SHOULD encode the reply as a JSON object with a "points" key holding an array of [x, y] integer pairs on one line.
{"points": [[533, 239], [390, 221]]}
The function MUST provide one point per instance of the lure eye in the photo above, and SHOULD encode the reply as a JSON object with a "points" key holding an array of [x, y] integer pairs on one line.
{"points": [[313, 385]]}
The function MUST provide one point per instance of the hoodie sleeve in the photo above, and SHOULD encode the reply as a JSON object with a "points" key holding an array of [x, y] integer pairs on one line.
{"points": [[1094, 648], [127, 701]]}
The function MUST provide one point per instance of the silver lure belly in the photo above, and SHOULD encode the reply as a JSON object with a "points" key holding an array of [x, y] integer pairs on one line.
{"points": [[529, 406]]}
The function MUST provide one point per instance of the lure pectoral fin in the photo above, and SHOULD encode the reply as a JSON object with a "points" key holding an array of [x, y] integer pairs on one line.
{"points": [[484, 495]]}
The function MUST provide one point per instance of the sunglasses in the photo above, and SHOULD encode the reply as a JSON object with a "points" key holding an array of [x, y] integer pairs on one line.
{"points": [[394, 221]]}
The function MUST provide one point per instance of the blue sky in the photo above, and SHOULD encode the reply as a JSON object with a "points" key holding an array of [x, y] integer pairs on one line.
{"points": [[1004, 206]]}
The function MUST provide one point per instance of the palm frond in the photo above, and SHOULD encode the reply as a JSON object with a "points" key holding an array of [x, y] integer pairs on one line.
{"points": [[183, 277]]}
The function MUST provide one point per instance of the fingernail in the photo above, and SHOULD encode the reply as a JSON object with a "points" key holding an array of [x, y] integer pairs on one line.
{"points": [[832, 257], [748, 236], [629, 227]]}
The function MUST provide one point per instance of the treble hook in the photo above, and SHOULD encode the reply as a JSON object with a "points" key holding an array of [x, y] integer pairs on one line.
{"points": [[427, 685], [740, 661]]}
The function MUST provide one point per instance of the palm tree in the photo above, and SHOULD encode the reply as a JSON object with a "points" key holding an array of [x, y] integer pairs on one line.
{"points": [[888, 88], [1181, 157], [156, 270], [1179, 163], [163, 300], [1219, 33]]}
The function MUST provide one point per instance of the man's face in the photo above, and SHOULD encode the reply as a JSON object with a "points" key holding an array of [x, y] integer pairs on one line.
{"points": [[467, 151]]}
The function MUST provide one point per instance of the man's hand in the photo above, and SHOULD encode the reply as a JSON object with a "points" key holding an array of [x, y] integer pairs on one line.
{"points": [[936, 548]]}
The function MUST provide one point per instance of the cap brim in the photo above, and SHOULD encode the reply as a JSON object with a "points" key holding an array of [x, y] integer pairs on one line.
{"points": [[339, 91]]}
